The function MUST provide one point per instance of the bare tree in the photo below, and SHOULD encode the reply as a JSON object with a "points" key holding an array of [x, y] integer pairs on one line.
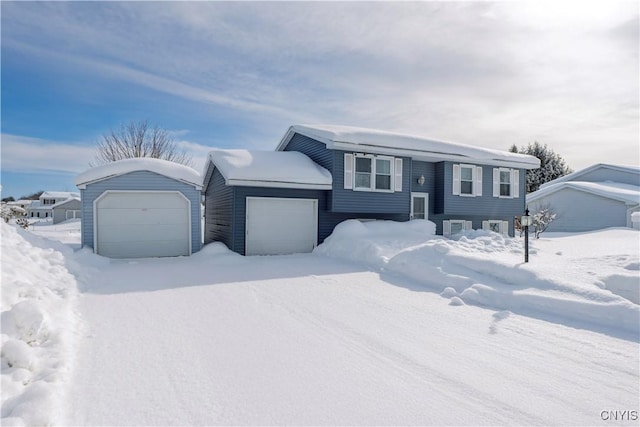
{"points": [[542, 218], [138, 139]]}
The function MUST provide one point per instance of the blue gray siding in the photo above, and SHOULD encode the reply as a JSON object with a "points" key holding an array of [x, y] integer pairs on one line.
{"points": [[142, 181], [218, 210], [606, 174], [580, 211], [428, 170], [315, 150], [369, 201], [60, 213]]}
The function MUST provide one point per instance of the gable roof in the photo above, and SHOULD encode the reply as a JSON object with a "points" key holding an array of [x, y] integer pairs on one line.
{"points": [[629, 194], [69, 200], [577, 174], [162, 167], [288, 169], [420, 148]]}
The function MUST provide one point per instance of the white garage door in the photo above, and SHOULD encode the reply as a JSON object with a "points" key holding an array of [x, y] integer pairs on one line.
{"points": [[142, 224], [281, 226]]}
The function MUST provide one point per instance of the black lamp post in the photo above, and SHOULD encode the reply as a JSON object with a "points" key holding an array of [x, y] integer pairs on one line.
{"points": [[525, 221]]}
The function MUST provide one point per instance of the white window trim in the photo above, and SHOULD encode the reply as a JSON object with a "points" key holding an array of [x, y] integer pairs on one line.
{"points": [[426, 203], [514, 184], [446, 225], [503, 226], [476, 180], [372, 181]]}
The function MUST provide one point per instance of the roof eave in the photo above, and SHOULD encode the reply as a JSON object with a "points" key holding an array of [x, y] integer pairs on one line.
{"points": [[277, 184]]}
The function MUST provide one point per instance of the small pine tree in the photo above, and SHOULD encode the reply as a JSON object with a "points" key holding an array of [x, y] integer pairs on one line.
{"points": [[552, 165]]}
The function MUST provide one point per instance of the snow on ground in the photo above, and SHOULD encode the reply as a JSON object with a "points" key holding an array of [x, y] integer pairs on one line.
{"points": [[38, 328], [587, 280], [217, 338]]}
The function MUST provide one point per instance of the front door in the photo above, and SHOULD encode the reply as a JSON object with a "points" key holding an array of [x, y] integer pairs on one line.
{"points": [[419, 206]]}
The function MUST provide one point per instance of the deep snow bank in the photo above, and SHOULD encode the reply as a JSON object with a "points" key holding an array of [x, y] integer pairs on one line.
{"points": [[39, 323], [487, 269]]}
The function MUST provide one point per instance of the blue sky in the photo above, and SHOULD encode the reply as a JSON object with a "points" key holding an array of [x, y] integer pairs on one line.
{"points": [[220, 74]]}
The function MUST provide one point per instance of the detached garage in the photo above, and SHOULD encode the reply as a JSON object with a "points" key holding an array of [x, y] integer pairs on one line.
{"points": [[139, 208], [263, 202]]}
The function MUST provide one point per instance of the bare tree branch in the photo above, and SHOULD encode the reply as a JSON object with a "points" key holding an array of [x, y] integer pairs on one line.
{"points": [[137, 139]]}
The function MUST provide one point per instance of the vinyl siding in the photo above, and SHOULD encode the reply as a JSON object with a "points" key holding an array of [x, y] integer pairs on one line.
{"points": [[315, 150], [486, 205], [606, 174], [580, 211], [139, 181], [438, 199], [218, 210], [369, 202], [428, 170], [60, 214]]}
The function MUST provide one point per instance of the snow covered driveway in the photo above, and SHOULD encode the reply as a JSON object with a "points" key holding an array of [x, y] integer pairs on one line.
{"points": [[221, 339]]}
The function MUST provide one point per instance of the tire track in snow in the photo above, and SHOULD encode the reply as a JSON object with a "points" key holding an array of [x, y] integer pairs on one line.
{"points": [[410, 369]]}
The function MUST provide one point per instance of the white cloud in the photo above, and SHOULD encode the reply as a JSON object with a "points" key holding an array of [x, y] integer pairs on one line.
{"points": [[25, 154]]}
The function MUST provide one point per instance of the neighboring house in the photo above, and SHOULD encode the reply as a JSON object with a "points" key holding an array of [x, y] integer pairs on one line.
{"points": [[290, 200], [69, 209], [593, 198], [42, 208], [22, 203], [142, 207]]}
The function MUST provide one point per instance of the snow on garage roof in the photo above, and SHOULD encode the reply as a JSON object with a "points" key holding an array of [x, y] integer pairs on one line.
{"points": [[629, 194], [417, 147], [289, 169], [59, 195], [121, 167]]}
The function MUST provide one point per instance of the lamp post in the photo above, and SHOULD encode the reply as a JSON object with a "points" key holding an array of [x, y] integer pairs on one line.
{"points": [[525, 221]]}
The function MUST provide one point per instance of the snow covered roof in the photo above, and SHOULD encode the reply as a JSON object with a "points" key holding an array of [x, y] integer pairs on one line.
{"points": [[121, 167], [418, 147], [629, 194], [288, 169], [58, 195], [574, 175]]}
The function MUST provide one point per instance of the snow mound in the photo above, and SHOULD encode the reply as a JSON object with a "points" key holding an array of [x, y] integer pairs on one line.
{"points": [[38, 329], [486, 269]]}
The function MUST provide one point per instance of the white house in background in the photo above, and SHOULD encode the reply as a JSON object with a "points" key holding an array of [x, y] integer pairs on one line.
{"points": [[22, 203], [43, 207], [593, 198]]}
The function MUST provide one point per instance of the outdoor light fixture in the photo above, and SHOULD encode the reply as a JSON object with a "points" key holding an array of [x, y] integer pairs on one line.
{"points": [[421, 180], [525, 221]]}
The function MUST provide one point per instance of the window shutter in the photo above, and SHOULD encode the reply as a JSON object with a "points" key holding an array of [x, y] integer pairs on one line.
{"points": [[446, 228], [468, 225], [478, 181], [456, 180], [515, 183], [397, 170], [496, 182], [348, 171], [485, 225], [505, 228]]}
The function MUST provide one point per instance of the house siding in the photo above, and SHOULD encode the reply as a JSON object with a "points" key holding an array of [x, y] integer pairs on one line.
{"points": [[369, 202], [313, 149], [428, 170], [141, 181], [60, 213], [594, 212], [606, 174], [218, 210]]}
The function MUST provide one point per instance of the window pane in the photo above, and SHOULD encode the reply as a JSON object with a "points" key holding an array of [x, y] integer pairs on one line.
{"points": [[466, 187], [383, 166], [383, 182], [466, 174], [505, 177], [494, 226], [505, 189], [418, 208], [363, 180], [456, 227], [363, 164]]}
